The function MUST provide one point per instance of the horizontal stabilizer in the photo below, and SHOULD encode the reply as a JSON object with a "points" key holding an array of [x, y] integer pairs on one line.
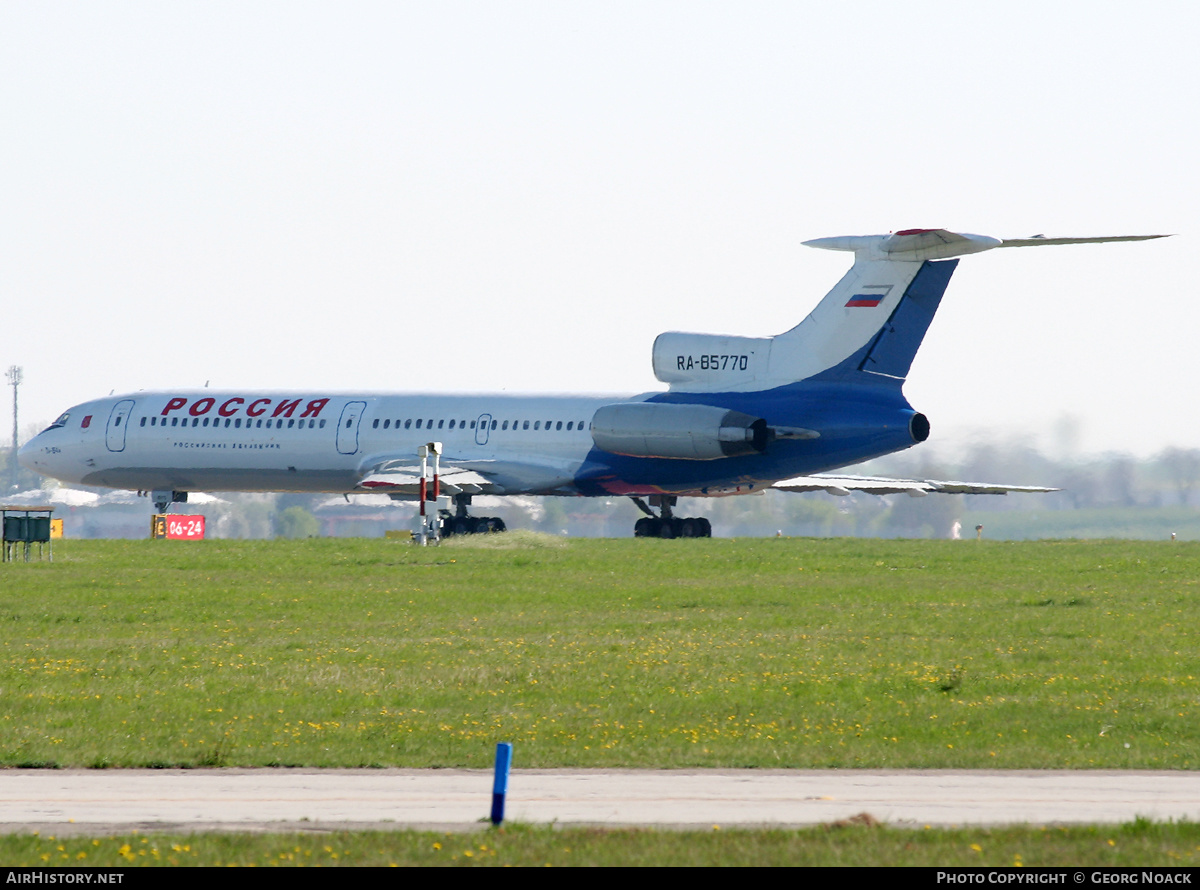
{"points": [[843, 485], [1037, 240], [914, 245], [939, 244]]}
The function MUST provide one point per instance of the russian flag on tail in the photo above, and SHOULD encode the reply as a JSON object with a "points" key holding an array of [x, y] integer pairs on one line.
{"points": [[864, 300]]}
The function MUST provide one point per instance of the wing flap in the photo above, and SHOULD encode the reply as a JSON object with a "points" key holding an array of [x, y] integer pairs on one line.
{"points": [[844, 485], [401, 475], [454, 481]]}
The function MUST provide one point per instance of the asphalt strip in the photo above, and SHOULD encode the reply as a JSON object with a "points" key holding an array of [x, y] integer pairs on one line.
{"points": [[106, 801]]}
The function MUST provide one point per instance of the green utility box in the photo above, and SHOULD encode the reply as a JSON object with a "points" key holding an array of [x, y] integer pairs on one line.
{"points": [[23, 527]]}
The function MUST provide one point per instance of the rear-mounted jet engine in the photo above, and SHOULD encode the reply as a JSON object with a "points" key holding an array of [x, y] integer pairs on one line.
{"points": [[686, 432]]}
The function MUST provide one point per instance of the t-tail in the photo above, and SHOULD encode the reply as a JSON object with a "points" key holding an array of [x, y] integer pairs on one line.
{"points": [[867, 329]]}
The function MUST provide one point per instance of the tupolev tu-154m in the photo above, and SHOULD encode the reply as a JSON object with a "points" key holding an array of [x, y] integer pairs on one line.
{"points": [[740, 415]]}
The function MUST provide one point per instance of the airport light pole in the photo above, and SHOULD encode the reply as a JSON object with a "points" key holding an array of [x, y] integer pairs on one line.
{"points": [[14, 380]]}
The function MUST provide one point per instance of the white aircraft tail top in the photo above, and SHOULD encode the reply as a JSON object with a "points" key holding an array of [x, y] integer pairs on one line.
{"points": [[872, 322]]}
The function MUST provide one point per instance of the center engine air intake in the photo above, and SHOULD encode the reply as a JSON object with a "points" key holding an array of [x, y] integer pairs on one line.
{"points": [[687, 432]]}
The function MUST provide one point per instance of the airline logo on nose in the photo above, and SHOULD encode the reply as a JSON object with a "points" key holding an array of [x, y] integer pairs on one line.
{"points": [[253, 408]]}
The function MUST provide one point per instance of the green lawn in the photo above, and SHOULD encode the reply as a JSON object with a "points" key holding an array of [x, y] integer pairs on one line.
{"points": [[603, 653], [1138, 843]]}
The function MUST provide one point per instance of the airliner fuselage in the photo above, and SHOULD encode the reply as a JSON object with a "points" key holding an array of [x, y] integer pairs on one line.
{"points": [[225, 441], [741, 414]]}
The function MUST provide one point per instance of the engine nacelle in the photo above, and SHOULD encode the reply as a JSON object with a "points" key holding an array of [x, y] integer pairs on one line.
{"points": [[686, 432], [710, 362]]}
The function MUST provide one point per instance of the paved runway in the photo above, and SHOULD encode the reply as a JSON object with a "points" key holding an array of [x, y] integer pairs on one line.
{"points": [[287, 799]]}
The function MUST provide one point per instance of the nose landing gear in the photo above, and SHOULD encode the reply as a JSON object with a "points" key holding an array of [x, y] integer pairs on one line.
{"points": [[668, 525], [163, 499]]}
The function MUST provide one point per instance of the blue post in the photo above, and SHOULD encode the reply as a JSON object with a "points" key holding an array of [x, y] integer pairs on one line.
{"points": [[500, 785]]}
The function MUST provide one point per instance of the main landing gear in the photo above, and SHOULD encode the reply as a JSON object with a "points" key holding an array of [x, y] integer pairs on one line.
{"points": [[668, 525], [459, 523]]}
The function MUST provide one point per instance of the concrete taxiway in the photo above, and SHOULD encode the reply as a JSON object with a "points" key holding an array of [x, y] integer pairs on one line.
{"points": [[289, 799]]}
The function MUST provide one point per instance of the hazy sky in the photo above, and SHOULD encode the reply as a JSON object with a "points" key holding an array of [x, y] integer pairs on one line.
{"points": [[521, 196]]}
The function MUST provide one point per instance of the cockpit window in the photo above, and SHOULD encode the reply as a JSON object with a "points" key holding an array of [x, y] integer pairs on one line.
{"points": [[61, 422]]}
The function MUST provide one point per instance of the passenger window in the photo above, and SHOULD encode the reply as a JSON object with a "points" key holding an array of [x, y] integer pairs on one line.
{"points": [[558, 426], [451, 425], [503, 427], [525, 426], [537, 424], [386, 424], [418, 427], [143, 423], [569, 423], [375, 424], [205, 422], [472, 424], [493, 424], [441, 423], [237, 424], [408, 423], [322, 424]]}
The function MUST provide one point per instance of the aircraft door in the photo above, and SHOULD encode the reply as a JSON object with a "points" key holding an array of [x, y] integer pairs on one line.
{"points": [[482, 428], [347, 430], [118, 420]]}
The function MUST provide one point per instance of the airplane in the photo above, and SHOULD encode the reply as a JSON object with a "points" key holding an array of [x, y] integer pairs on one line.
{"points": [[741, 415]]}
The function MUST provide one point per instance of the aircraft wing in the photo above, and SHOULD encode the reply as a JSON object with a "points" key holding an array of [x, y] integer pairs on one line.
{"points": [[401, 476], [843, 485], [453, 480]]}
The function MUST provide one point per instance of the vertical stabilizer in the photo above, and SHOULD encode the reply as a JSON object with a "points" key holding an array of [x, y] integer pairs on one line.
{"points": [[868, 328]]}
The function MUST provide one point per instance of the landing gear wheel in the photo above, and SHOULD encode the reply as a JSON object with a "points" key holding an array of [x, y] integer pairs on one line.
{"points": [[666, 524]]}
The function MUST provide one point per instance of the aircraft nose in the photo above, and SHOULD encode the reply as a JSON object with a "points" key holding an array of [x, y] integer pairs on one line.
{"points": [[38, 454], [27, 453]]}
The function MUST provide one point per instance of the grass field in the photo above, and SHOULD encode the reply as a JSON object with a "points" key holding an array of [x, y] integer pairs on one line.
{"points": [[603, 653], [1137, 843]]}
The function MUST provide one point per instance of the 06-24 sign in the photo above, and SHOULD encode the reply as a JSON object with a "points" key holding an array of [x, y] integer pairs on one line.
{"points": [[185, 528]]}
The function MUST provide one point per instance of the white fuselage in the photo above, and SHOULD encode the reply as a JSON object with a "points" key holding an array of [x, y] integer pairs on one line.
{"points": [[270, 441]]}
